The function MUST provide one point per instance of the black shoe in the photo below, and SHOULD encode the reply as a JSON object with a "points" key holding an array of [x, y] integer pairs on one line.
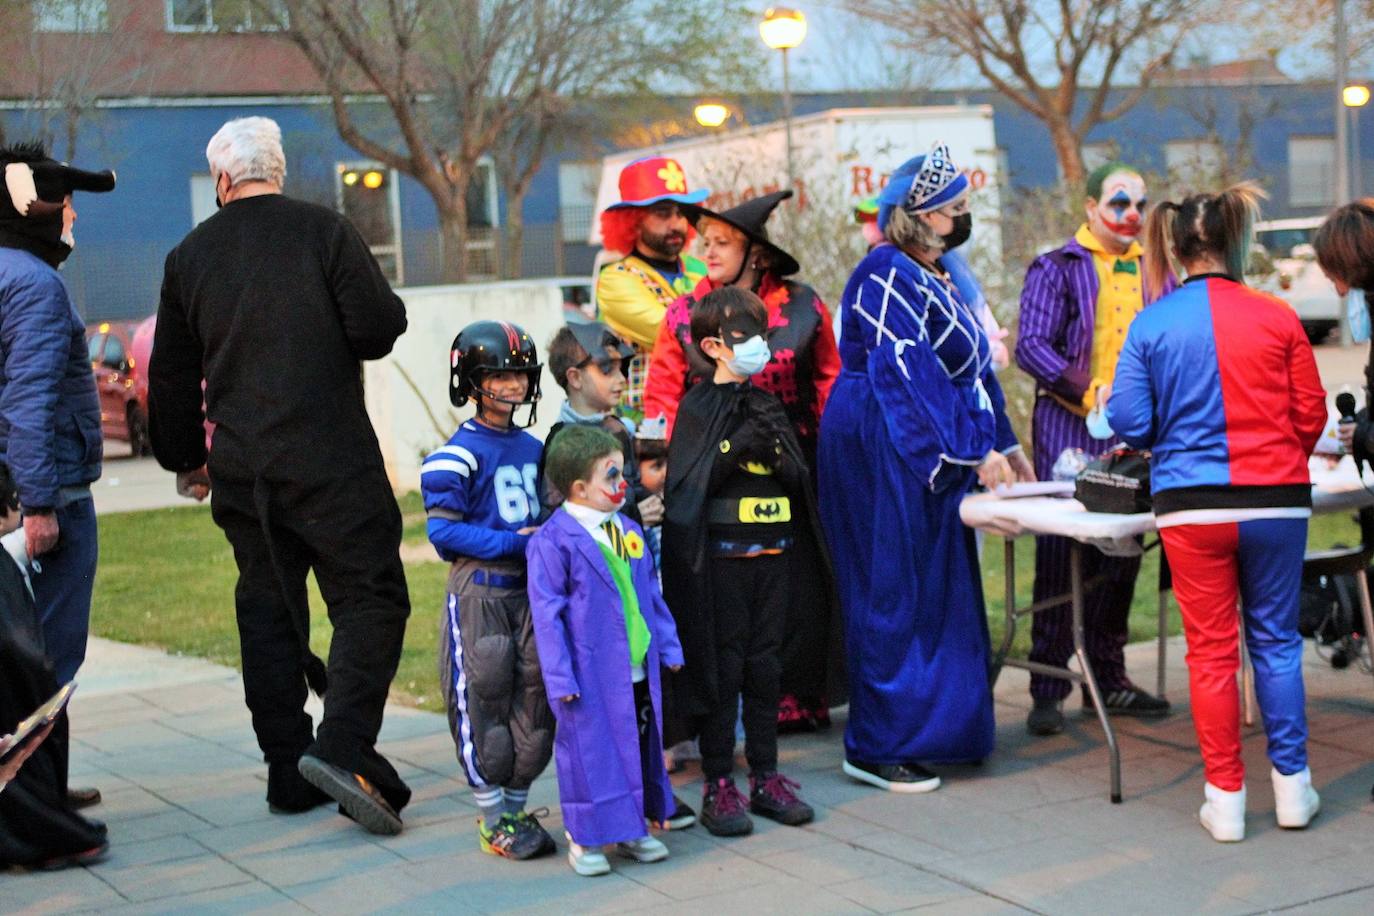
{"points": [[681, 818], [530, 834], [82, 798], [774, 796], [72, 859], [354, 794], [724, 809], [1047, 718], [1130, 701], [893, 777], [288, 792]]}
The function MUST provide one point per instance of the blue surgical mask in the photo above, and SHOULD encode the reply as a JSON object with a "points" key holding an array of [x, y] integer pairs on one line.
{"points": [[1098, 427], [750, 357], [1357, 313]]}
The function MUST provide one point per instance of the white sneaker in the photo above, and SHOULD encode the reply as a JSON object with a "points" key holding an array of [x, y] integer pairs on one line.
{"points": [[1295, 801], [1223, 814], [586, 862], [644, 849]]}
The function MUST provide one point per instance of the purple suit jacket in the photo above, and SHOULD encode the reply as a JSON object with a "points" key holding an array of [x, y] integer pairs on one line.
{"points": [[1054, 345], [579, 629]]}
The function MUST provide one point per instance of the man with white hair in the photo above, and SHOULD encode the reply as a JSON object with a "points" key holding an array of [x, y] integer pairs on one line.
{"points": [[274, 302]]}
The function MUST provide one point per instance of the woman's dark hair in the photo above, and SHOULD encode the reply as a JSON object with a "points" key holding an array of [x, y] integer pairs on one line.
{"points": [[573, 451], [650, 449], [1345, 244], [1220, 225], [709, 315], [9, 493]]}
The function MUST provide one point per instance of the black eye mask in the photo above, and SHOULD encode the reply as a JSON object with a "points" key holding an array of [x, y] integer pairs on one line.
{"points": [[736, 329]]}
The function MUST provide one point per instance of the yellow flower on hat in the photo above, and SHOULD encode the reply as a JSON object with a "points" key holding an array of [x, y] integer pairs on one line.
{"points": [[634, 544]]}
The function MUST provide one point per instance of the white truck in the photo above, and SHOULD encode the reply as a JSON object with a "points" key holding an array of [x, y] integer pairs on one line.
{"points": [[840, 157]]}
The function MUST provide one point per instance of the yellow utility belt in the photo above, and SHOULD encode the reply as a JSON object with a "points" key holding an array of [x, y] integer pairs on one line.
{"points": [[750, 510]]}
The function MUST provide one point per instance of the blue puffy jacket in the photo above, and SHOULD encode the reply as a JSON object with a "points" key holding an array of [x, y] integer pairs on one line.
{"points": [[49, 410]]}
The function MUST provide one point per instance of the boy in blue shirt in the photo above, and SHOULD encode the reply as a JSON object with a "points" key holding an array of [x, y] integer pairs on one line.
{"points": [[481, 493]]}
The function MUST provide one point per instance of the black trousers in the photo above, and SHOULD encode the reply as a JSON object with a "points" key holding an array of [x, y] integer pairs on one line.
{"points": [[347, 529], [1106, 611], [751, 597]]}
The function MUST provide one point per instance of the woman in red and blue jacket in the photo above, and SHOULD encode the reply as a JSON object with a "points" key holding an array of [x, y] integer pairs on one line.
{"points": [[1219, 382]]}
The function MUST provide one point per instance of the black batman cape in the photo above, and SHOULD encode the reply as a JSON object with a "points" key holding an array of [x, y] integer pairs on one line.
{"points": [[35, 822], [812, 652]]}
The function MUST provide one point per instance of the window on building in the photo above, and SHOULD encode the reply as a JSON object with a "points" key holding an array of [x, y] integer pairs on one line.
{"points": [[1311, 171], [203, 203], [368, 195], [1193, 162], [482, 210], [577, 183], [225, 15], [71, 16]]}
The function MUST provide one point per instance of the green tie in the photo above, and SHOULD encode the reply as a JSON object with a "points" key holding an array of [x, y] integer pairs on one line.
{"points": [[1124, 267]]}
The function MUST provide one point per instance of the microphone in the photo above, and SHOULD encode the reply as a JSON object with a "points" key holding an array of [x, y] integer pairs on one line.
{"points": [[1345, 406]]}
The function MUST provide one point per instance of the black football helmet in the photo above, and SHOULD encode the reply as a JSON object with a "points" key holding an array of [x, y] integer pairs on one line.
{"points": [[493, 346]]}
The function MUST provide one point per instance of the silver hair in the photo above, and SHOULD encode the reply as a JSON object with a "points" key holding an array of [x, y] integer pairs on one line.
{"points": [[248, 149], [911, 233]]}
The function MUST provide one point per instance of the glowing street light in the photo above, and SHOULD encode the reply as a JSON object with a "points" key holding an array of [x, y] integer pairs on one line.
{"points": [[711, 114], [782, 29], [1355, 96]]}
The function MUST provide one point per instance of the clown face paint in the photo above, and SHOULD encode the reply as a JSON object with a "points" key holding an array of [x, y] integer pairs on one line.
{"points": [[605, 487], [1117, 217]]}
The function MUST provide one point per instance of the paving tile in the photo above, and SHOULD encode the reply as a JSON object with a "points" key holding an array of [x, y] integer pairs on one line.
{"points": [[833, 863], [901, 888], [786, 897], [1355, 903], [256, 838], [55, 892], [124, 855], [161, 880], [128, 804], [970, 906], [900, 847], [334, 858], [698, 868], [169, 823], [253, 897]]}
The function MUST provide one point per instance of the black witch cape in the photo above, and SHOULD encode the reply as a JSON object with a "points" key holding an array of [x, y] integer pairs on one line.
{"points": [[35, 822], [710, 413]]}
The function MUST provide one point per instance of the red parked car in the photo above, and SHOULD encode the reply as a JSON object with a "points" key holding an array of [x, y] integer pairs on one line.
{"points": [[119, 352]]}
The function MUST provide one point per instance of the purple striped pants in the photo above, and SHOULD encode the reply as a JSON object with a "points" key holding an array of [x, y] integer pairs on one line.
{"points": [[1106, 605]]}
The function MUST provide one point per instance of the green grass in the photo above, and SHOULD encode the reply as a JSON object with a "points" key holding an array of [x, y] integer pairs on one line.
{"points": [[166, 579]]}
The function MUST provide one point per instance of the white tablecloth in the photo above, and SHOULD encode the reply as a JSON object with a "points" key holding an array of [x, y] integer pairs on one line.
{"points": [[1014, 515]]}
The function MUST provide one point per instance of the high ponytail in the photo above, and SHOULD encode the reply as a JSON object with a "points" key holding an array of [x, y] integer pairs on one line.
{"points": [[1159, 248], [1217, 226], [1238, 208]]}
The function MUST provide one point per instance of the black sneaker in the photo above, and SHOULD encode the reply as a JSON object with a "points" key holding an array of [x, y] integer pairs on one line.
{"points": [[1129, 701], [1047, 718], [725, 810], [681, 818], [529, 829], [894, 777], [774, 796]]}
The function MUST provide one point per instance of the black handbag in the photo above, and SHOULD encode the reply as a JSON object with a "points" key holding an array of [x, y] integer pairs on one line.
{"points": [[1117, 482]]}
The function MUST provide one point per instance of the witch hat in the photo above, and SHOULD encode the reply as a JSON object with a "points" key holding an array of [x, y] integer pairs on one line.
{"points": [[749, 218]]}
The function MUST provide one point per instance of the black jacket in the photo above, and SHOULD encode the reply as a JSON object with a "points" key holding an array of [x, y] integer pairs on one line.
{"points": [[273, 302], [754, 423]]}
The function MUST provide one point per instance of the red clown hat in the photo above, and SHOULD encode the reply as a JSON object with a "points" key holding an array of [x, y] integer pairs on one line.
{"points": [[645, 182]]}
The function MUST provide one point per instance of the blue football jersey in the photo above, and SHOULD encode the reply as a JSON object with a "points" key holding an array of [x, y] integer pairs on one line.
{"points": [[484, 485]]}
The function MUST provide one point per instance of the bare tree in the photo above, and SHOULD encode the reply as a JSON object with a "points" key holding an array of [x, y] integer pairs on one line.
{"points": [[462, 80], [1057, 59]]}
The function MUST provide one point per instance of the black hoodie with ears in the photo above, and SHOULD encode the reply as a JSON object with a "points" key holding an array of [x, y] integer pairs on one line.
{"points": [[31, 199]]}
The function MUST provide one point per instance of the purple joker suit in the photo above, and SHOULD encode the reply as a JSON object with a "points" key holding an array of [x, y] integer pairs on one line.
{"points": [[579, 628], [1054, 346]]}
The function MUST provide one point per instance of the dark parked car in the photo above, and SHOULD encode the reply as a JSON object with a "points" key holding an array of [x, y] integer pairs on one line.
{"points": [[119, 353]]}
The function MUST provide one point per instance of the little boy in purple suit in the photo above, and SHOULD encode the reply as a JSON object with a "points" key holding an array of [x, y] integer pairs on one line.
{"points": [[603, 631]]}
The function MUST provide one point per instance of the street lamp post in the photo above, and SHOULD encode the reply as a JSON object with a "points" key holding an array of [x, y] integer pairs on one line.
{"points": [[1355, 97], [781, 30]]}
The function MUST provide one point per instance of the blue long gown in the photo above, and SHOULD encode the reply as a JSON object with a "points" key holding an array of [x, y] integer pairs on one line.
{"points": [[914, 411]]}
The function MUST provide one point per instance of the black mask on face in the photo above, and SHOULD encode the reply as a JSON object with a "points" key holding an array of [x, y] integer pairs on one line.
{"points": [[963, 228]]}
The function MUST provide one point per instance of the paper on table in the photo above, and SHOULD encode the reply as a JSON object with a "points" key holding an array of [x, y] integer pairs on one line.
{"points": [[1035, 488]]}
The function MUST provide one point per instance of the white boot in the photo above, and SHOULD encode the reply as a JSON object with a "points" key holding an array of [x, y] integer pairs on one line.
{"points": [[1223, 814], [1295, 801]]}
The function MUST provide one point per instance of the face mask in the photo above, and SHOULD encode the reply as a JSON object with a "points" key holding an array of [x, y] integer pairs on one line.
{"points": [[750, 357], [963, 228], [1357, 313], [1098, 427]]}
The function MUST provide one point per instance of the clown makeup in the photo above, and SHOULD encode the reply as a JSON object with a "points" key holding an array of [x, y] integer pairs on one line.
{"points": [[1117, 217], [605, 487]]}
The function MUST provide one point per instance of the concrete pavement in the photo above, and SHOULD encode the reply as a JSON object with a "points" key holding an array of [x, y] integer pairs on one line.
{"points": [[1031, 830]]}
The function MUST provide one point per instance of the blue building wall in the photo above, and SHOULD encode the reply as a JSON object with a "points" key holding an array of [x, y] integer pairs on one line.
{"points": [[123, 237]]}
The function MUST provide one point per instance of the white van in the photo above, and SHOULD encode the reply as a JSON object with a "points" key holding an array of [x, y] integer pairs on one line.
{"points": [[1285, 263]]}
